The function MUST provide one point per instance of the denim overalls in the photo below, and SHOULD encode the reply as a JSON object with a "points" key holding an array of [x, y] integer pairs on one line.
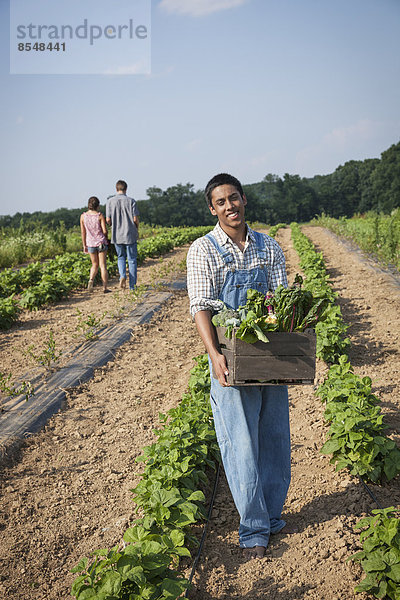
{"points": [[252, 425]]}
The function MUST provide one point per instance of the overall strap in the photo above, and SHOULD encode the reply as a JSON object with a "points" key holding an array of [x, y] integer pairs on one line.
{"points": [[226, 255], [260, 244]]}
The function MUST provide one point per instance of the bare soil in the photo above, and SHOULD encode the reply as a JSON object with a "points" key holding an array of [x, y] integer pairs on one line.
{"points": [[64, 318], [67, 492]]}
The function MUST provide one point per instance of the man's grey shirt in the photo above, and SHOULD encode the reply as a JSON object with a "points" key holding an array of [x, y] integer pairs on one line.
{"points": [[121, 209]]}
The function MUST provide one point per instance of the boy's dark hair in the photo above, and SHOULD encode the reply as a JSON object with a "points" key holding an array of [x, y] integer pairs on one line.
{"points": [[121, 186], [93, 203], [222, 179]]}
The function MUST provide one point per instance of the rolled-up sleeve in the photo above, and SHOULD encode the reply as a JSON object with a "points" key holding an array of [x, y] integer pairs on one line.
{"points": [[277, 271], [200, 281], [135, 210]]}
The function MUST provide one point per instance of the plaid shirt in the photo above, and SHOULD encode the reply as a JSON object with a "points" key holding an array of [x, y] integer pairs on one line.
{"points": [[206, 270]]}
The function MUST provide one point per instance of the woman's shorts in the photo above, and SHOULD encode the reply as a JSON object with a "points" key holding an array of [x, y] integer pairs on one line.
{"points": [[94, 249]]}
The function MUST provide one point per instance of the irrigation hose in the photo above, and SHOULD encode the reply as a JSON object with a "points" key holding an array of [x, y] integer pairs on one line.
{"points": [[203, 537], [370, 492]]}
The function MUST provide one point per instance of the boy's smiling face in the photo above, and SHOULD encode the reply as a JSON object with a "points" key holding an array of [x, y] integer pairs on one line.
{"points": [[228, 206]]}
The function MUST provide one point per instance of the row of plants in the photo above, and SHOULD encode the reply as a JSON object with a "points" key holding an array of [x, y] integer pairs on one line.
{"points": [[272, 231], [330, 330], [376, 234], [41, 283], [145, 565], [15, 281], [20, 245], [40, 242], [356, 438], [356, 442]]}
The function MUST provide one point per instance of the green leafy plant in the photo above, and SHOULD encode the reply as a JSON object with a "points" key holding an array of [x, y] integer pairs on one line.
{"points": [[48, 356], [377, 234], [330, 328], [380, 556], [356, 437], [275, 228], [10, 389], [9, 311], [169, 502], [137, 293], [288, 309], [163, 271], [38, 284], [89, 324], [119, 305]]}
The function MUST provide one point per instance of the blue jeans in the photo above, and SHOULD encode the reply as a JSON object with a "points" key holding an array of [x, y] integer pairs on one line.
{"points": [[127, 252], [252, 427]]}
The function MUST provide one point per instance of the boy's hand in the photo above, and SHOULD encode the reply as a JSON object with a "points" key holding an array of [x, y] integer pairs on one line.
{"points": [[220, 369]]}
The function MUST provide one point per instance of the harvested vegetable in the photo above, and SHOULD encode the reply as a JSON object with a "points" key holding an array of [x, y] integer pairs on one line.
{"points": [[288, 309]]}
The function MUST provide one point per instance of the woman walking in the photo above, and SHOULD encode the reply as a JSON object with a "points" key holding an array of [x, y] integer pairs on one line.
{"points": [[95, 241]]}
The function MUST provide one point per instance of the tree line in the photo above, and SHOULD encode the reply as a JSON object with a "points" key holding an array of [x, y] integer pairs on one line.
{"points": [[355, 187]]}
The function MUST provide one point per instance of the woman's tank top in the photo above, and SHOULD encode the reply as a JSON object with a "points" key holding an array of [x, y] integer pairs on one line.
{"points": [[94, 232]]}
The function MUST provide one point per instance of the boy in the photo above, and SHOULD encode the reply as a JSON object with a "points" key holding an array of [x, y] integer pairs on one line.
{"points": [[251, 422]]}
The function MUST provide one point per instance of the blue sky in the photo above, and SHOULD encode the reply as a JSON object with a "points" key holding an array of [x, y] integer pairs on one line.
{"points": [[245, 86]]}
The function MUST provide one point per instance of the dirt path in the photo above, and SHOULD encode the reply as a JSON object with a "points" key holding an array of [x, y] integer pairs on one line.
{"points": [[68, 492], [64, 318]]}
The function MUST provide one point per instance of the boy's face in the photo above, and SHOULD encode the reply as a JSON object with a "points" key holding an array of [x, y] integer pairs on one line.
{"points": [[228, 206]]}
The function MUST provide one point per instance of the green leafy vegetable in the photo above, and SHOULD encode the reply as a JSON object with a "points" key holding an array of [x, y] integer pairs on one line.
{"points": [[380, 556], [289, 309]]}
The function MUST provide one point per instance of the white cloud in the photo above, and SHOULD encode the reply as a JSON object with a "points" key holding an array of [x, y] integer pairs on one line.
{"points": [[354, 142], [192, 145], [341, 137], [198, 8]]}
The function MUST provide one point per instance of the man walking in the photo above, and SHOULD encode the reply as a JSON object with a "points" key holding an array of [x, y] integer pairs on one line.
{"points": [[251, 422], [123, 216]]}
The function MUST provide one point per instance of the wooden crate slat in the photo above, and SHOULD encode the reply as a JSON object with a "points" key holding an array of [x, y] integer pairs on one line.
{"points": [[288, 358], [273, 382], [272, 367], [280, 343], [224, 341]]}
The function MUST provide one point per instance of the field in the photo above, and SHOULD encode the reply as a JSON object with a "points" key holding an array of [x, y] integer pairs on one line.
{"points": [[67, 492], [376, 234]]}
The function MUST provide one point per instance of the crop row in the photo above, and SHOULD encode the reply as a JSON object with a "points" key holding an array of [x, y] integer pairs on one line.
{"points": [[40, 242], [355, 438], [171, 501], [375, 233], [41, 283]]}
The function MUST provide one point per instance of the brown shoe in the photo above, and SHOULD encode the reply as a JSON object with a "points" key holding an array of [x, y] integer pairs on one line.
{"points": [[90, 285], [122, 283]]}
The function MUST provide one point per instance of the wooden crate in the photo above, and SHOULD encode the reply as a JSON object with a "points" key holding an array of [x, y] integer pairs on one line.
{"points": [[288, 358]]}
